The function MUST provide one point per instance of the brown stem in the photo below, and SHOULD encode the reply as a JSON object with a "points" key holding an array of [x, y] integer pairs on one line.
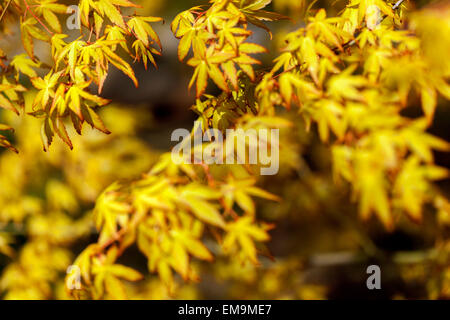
{"points": [[4, 10]]}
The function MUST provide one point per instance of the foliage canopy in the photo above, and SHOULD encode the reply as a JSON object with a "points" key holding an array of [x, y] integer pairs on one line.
{"points": [[351, 76]]}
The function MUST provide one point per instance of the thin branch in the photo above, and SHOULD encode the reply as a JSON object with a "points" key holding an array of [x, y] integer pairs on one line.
{"points": [[4, 10], [34, 16]]}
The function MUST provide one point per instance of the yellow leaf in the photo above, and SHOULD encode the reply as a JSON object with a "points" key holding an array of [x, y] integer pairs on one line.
{"points": [[124, 272], [429, 101], [185, 45], [52, 20], [197, 248], [112, 13], [205, 212], [114, 288]]}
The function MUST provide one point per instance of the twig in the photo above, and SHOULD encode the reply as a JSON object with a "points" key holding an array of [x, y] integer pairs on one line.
{"points": [[287, 70], [34, 16], [4, 10]]}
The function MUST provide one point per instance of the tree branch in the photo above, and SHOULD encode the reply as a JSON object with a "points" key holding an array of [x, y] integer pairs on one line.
{"points": [[4, 10]]}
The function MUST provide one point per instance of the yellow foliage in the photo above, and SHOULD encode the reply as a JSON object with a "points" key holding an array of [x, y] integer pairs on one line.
{"points": [[350, 78]]}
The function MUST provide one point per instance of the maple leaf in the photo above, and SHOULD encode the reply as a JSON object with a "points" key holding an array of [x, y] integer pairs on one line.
{"points": [[47, 9], [243, 233]]}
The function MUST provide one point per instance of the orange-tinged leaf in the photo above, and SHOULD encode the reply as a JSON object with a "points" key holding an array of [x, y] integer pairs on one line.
{"points": [[60, 129], [251, 48], [94, 120], [121, 65], [6, 144], [46, 134], [125, 3], [217, 76], [52, 20], [231, 73], [27, 40], [202, 78], [6, 104], [112, 12]]}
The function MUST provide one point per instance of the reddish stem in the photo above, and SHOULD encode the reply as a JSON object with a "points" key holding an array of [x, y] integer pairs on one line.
{"points": [[34, 16]]}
